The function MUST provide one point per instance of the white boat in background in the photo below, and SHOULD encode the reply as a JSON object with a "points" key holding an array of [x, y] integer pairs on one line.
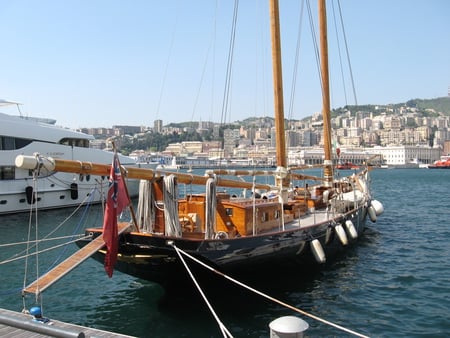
{"points": [[20, 189], [172, 166]]}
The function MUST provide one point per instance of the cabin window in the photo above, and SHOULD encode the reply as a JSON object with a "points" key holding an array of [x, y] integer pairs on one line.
{"points": [[21, 143], [8, 143], [75, 142], [264, 217], [11, 143], [229, 211], [276, 214], [7, 172]]}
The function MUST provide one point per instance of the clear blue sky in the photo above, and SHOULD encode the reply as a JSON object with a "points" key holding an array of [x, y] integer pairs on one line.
{"points": [[90, 63]]}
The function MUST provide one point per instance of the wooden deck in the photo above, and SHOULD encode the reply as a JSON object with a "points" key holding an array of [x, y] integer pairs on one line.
{"points": [[16, 324], [69, 264]]}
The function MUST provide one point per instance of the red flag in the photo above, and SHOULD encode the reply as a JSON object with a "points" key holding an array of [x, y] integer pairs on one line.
{"points": [[116, 200]]}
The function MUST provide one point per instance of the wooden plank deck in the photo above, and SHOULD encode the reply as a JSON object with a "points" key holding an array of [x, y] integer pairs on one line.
{"points": [[69, 264], [20, 325]]}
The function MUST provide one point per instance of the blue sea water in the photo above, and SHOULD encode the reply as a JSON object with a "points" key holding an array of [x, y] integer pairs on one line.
{"points": [[394, 283]]}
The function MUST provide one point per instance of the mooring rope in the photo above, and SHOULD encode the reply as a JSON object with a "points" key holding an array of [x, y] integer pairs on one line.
{"points": [[145, 209], [222, 327], [173, 226], [337, 326]]}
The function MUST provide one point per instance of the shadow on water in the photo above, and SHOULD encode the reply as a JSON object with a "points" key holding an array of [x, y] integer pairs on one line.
{"points": [[145, 309], [236, 306]]}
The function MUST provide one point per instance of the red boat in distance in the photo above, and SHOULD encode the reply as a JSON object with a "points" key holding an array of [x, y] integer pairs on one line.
{"points": [[443, 163], [347, 166]]}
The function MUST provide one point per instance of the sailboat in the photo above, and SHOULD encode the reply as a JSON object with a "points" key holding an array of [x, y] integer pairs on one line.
{"points": [[281, 223]]}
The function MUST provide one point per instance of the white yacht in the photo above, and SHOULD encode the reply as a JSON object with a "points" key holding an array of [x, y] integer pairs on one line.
{"points": [[22, 189]]}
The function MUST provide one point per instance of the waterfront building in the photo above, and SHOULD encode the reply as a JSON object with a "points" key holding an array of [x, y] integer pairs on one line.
{"points": [[408, 156]]}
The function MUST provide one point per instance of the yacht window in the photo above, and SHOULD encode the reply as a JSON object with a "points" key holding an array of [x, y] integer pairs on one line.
{"points": [[7, 143], [75, 142], [21, 142], [7, 172], [11, 143]]}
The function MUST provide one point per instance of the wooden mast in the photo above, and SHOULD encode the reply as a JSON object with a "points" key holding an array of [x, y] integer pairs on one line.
{"points": [[278, 87], [328, 169]]}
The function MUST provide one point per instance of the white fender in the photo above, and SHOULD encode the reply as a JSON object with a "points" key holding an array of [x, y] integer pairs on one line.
{"points": [[325, 195], [341, 234], [317, 250], [372, 214], [351, 229], [300, 249], [328, 235], [378, 207], [363, 184]]}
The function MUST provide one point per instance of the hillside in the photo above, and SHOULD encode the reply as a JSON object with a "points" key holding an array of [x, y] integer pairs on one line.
{"points": [[440, 104]]}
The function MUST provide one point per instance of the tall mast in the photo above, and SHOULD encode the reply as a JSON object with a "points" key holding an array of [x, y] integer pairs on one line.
{"points": [[328, 169], [277, 83]]}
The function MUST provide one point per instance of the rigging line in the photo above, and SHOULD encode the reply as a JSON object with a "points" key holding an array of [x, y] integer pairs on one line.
{"points": [[167, 65], [315, 44], [42, 251], [88, 199], [74, 232], [65, 183], [297, 52], [337, 326], [339, 53], [36, 236], [213, 63], [224, 330], [35, 241], [203, 72], [29, 247], [226, 94], [347, 52], [261, 52]]}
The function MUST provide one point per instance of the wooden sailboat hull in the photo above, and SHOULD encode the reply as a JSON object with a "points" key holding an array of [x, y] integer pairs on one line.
{"points": [[153, 258]]}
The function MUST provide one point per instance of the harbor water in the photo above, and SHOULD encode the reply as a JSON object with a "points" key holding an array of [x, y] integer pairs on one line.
{"points": [[394, 283]]}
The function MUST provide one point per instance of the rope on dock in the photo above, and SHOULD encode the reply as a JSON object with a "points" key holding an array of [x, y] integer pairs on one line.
{"points": [[337, 326]]}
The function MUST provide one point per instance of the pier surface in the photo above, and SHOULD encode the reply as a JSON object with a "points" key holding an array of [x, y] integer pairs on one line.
{"points": [[16, 324]]}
